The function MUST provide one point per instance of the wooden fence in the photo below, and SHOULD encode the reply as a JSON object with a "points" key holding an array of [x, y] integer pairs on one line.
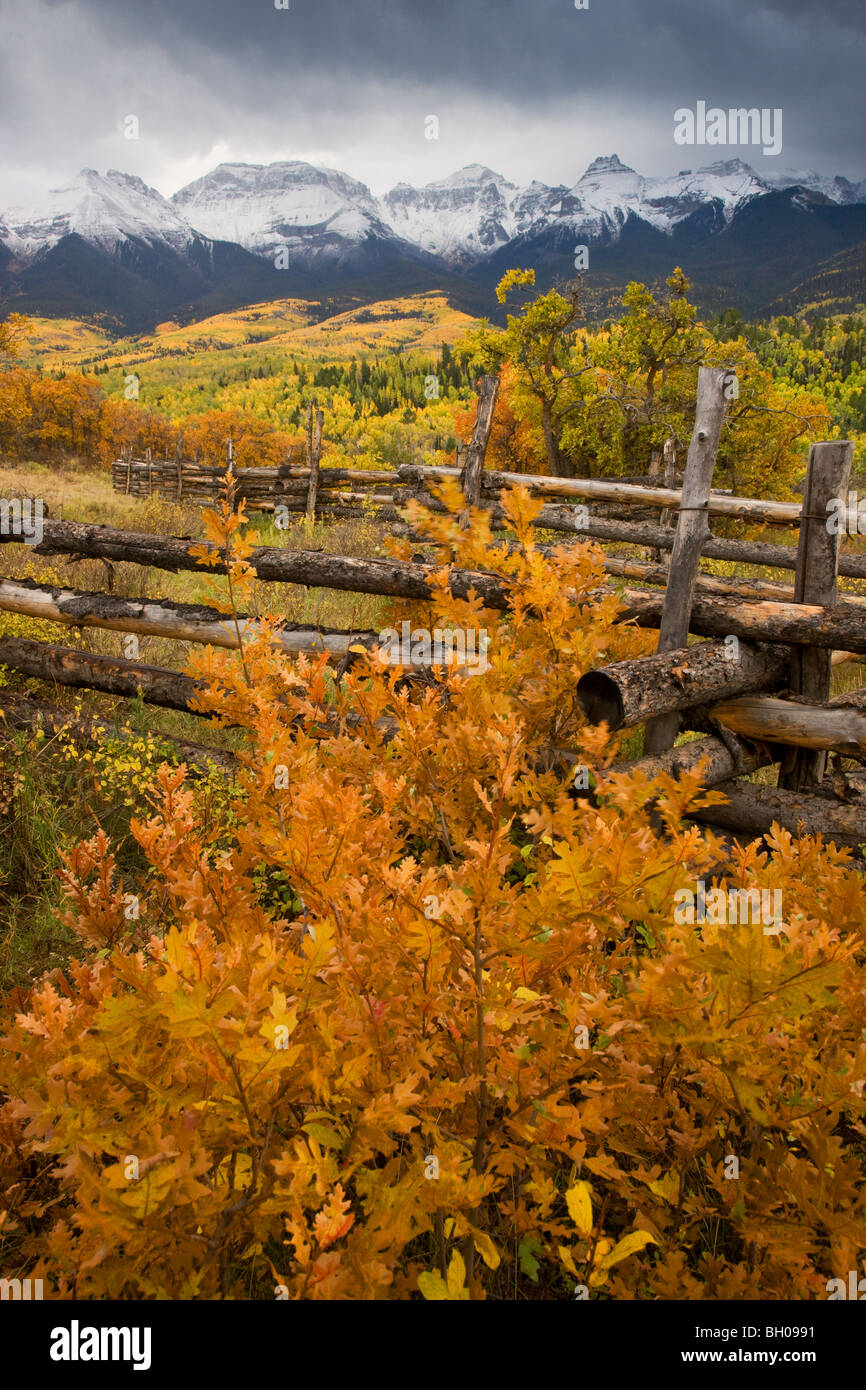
{"points": [[765, 639]]}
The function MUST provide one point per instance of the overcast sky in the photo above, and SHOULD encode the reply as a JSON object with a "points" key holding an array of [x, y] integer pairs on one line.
{"points": [[532, 88]]}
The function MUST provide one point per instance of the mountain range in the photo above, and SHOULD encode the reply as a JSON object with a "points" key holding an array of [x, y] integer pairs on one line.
{"points": [[109, 246]]}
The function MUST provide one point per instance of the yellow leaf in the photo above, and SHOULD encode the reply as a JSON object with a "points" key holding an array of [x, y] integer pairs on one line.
{"points": [[457, 1277], [567, 1259], [524, 993], [323, 1134], [486, 1249], [579, 1201], [667, 1187], [629, 1245], [433, 1287], [243, 1174]]}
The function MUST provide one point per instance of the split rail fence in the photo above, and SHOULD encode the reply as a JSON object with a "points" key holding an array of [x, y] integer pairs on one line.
{"points": [[761, 701]]}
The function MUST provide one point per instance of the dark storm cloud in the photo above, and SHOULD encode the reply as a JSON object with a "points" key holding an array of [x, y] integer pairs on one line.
{"points": [[524, 85], [521, 47]]}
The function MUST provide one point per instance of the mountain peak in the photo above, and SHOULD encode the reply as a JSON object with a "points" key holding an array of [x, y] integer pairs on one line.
{"points": [[729, 166], [470, 174], [608, 164]]}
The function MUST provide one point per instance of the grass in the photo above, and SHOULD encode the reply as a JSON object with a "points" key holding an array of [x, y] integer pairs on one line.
{"points": [[49, 803]]}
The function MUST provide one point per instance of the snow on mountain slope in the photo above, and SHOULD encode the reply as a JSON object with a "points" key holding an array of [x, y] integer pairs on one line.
{"points": [[474, 212], [266, 207], [104, 209], [837, 189], [609, 192], [460, 218], [326, 218]]}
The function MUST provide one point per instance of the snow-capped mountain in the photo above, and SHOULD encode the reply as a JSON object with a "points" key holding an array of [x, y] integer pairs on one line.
{"points": [[105, 210], [324, 216], [315, 215], [461, 218], [474, 212], [108, 242], [838, 189]]}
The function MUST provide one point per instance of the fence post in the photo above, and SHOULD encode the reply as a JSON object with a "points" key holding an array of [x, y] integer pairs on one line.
{"points": [[488, 388], [692, 532], [315, 451], [178, 458], [148, 454], [815, 582], [308, 448], [128, 452]]}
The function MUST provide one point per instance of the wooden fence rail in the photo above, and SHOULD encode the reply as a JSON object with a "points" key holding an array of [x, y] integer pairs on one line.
{"points": [[765, 640]]}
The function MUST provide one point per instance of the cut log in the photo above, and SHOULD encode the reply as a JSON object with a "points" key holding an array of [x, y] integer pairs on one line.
{"points": [[182, 622], [113, 676], [838, 728], [753, 811], [313, 485], [565, 518], [711, 583], [753, 509], [273, 564], [713, 758], [842, 627], [629, 692]]}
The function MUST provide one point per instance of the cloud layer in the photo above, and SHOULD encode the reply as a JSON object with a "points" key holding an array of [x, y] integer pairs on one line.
{"points": [[533, 88]]}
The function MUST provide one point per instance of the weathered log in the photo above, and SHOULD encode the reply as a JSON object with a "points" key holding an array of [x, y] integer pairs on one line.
{"points": [[611, 490], [313, 485], [815, 582], [272, 564], [692, 531], [711, 583], [753, 811], [112, 675], [182, 622], [837, 728], [24, 712], [628, 692], [715, 761], [842, 627]]}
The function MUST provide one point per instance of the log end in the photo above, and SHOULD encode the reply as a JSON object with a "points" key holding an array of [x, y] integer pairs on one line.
{"points": [[600, 699]]}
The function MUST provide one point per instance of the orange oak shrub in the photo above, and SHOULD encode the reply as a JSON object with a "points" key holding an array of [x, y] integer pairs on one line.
{"points": [[473, 1052]]}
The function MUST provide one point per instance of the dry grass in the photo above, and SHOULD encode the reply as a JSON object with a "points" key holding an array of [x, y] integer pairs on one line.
{"points": [[80, 494]]}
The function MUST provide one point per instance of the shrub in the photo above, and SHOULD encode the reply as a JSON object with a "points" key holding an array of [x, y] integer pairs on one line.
{"points": [[471, 1052]]}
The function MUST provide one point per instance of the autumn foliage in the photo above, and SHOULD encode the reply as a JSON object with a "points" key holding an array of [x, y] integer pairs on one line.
{"points": [[478, 1056], [46, 417]]}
